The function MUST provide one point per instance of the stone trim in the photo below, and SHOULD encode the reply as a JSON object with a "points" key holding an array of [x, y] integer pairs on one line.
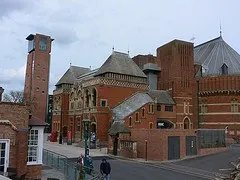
{"points": [[7, 122]]}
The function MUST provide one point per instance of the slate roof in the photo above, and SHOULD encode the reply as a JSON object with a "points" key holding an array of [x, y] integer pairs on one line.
{"points": [[34, 121], [162, 97], [130, 105], [120, 63], [87, 75], [118, 127], [71, 74], [213, 54]]}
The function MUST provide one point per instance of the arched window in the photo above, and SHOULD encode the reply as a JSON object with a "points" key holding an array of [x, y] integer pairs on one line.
{"points": [[186, 123], [143, 112], [150, 125], [130, 121], [86, 98], [164, 124]]}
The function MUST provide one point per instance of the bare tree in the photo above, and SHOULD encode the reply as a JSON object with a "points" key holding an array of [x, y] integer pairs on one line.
{"points": [[13, 96]]}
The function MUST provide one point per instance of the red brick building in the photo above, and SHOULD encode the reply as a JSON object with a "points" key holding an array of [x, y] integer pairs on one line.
{"points": [[168, 91], [21, 141], [218, 82]]}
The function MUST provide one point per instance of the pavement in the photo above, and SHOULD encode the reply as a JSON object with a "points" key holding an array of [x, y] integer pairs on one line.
{"points": [[70, 151]]}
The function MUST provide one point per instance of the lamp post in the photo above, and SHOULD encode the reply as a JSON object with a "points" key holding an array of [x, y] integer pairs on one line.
{"points": [[88, 166]]}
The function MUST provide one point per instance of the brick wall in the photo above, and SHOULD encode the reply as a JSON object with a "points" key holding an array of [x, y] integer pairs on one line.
{"points": [[34, 172], [22, 149], [18, 115], [157, 142]]}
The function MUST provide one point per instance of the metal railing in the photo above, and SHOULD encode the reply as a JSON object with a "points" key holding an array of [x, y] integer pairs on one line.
{"points": [[71, 170]]}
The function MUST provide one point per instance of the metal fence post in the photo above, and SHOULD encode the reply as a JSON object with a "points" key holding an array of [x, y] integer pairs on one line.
{"points": [[58, 162]]}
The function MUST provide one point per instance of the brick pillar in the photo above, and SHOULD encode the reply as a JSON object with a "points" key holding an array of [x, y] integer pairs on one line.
{"points": [[22, 149], [1, 92]]}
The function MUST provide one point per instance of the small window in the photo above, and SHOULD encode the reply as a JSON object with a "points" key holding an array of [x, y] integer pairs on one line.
{"points": [[43, 80], [143, 112], [130, 121], [168, 108], [137, 118], [42, 91], [150, 125], [158, 107], [103, 103]]}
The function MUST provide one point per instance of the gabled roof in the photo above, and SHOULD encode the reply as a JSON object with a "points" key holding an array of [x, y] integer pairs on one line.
{"points": [[71, 74], [118, 127], [130, 105], [162, 97], [213, 54], [120, 63]]}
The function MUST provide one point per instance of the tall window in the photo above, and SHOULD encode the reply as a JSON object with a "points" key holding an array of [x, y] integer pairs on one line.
{"points": [[130, 121], [32, 146], [78, 124], [143, 112], [137, 118], [150, 109], [158, 107], [35, 146]]}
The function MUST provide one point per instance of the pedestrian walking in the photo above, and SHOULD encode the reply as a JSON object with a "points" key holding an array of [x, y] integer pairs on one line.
{"points": [[105, 169]]}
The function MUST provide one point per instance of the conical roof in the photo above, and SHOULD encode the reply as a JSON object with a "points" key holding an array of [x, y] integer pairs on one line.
{"points": [[72, 74], [215, 54], [120, 63]]}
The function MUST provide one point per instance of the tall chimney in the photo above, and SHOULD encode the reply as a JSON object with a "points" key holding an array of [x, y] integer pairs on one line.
{"points": [[1, 92]]}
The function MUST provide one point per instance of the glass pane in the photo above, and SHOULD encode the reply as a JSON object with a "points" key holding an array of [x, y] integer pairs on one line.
{"points": [[2, 153], [1, 168]]}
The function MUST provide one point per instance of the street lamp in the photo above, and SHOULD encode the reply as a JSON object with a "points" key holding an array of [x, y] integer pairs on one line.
{"points": [[88, 165]]}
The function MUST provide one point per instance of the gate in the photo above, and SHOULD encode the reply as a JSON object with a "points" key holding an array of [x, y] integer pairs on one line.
{"points": [[173, 147], [115, 147], [191, 148]]}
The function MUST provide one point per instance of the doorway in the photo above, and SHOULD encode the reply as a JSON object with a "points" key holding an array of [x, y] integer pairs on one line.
{"points": [[4, 155]]}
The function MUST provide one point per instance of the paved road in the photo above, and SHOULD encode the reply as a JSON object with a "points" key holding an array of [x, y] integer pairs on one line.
{"points": [[213, 162], [125, 170]]}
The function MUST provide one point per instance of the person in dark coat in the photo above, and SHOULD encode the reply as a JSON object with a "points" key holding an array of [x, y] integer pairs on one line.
{"points": [[105, 169]]}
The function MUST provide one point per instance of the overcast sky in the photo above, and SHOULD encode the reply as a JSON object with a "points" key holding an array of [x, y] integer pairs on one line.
{"points": [[86, 30]]}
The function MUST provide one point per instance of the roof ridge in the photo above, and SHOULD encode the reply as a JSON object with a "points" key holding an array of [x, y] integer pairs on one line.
{"points": [[220, 37]]}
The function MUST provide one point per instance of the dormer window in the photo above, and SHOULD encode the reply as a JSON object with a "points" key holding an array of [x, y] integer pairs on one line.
{"points": [[224, 69]]}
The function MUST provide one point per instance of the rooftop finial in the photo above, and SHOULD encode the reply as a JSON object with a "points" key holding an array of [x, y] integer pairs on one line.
{"points": [[70, 64], [193, 38], [220, 29], [113, 49], [128, 50]]}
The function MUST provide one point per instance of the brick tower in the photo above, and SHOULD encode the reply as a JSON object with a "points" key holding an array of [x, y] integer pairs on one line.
{"points": [[37, 74], [177, 76]]}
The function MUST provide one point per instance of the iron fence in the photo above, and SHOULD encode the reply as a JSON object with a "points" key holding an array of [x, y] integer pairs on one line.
{"points": [[71, 170], [211, 138]]}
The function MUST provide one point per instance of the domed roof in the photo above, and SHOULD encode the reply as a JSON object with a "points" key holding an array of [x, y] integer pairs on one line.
{"points": [[217, 58]]}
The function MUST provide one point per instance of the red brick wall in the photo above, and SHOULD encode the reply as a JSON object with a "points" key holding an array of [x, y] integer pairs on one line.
{"points": [[114, 95], [140, 60], [208, 151], [18, 115], [157, 142], [34, 172], [22, 149]]}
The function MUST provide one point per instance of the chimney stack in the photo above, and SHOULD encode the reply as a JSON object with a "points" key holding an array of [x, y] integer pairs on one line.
{"points": [[1, 92]]}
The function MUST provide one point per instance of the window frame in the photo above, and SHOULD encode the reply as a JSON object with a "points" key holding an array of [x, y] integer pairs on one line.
{"points": [[167, 108], [39, 145]]}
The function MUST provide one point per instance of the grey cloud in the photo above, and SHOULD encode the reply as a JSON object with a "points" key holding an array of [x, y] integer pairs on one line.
{"points": [[8, 6]]}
